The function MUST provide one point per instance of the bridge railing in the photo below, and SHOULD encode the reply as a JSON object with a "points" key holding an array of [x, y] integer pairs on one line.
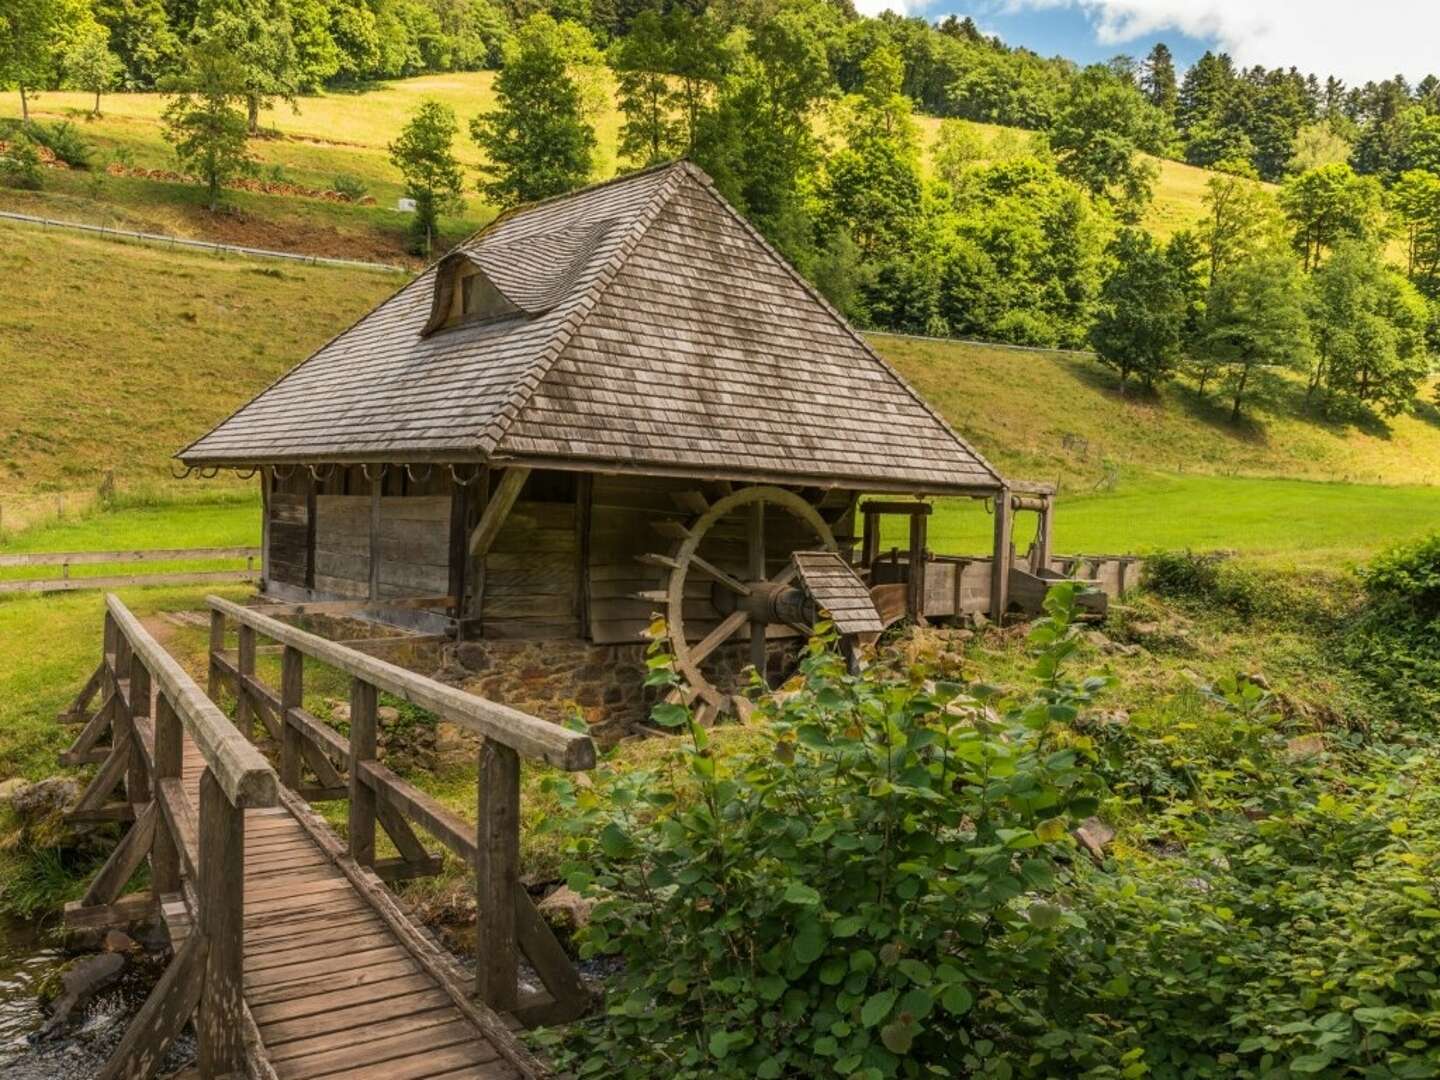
{"points": [[147, 703], [318, 762]]}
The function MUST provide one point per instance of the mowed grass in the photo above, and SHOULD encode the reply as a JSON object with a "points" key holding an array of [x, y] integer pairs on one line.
{"points": [[115, 355], [327, 135], [1284, 523]]}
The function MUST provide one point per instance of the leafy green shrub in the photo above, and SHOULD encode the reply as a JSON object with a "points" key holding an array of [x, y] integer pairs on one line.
{"points": [[1215, 580], [874, 891], [1395, 640], [20, 163], [65, 142], [351, 186]]}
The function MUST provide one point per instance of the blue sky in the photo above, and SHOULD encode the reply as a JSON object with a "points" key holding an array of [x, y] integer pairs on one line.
{"points": [[1357, 42]]}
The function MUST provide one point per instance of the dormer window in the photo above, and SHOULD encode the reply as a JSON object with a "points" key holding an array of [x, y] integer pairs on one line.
{"points": [[480, 299]]}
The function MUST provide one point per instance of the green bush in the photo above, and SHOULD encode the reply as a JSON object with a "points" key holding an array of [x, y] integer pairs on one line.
{"points": [[65, 142], [1394, 642], [20, 163], [875, 891], [352, 187]]}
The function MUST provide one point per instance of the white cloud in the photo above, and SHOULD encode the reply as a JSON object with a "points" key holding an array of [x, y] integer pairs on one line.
{"points": [[1357, 42]]}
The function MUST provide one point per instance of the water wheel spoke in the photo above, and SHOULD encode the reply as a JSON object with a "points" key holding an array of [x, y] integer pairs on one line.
{"points": [[710, 570], [717, 637]]}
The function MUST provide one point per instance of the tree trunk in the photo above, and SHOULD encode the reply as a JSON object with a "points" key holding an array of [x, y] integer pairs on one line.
{"points": [[252, 104], [1240, 393], [97, 102], [24, 106], [1124, 374], [1204, 378]]}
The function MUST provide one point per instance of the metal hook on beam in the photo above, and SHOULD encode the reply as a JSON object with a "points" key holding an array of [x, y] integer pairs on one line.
{"points": [[365, 469]]}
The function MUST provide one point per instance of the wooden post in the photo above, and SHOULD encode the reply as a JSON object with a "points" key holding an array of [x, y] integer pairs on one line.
{"points": [[1000, 568], [217, 646], [915, 586], [1043, 536], [292, 696], [122, 727], [137, 780], [221, 919], [497, 872], [169, 760], [264, 531], [376, 492], [870, 539], [363, 740], [244, 665], [755, 545]]}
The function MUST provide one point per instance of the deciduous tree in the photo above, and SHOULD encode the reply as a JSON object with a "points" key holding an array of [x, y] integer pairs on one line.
{"points": [[1415, 202], [1141, 315], [205, 117], [259, 37], [1102, 129], [425, 157], [1254, 320], [537, 139], [90, 65], [1328, 204]]}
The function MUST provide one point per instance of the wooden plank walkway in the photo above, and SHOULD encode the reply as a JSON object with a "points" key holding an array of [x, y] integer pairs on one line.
{"points": [[334, 990]]}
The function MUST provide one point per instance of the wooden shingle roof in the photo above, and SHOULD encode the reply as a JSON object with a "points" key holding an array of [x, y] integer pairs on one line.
{"points": [[660, 334]]}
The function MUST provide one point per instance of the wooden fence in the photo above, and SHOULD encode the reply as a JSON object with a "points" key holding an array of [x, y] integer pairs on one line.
{"points": [[66, 559], [508, 925], [148, 704]]}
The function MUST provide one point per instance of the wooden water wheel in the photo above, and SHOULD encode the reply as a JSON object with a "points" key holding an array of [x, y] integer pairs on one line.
{"points": [[739, 597]]}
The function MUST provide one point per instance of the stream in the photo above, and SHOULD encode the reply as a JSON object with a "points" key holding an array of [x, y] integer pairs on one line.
{"points": [[27, 960]]}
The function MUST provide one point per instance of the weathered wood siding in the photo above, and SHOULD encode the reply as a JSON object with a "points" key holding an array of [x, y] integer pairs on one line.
{"points": [[287, 551], [342, 545], [532, 572], [414, 545]]}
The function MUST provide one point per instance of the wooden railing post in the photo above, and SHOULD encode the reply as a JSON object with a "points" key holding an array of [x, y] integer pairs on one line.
{"points": [[137, 781], [217, 646], [497, 872], [292, 696], [122, 727], [363, 743], [221, 919], [244, 667], [169, 760]]}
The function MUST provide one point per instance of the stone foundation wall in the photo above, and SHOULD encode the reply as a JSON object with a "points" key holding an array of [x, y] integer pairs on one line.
{"points": [[603, 684]]}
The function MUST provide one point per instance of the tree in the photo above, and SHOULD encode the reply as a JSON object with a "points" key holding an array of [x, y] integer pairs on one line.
{"points": [[142, 37], [1328, 204], [872, 186], [1157, 79], [1255, 319], [1318, 144], [32, 38], [1415, 201], [1241, 217], [90, 65], [958, 146], [259, 36], [432, 174], [537, 139], [1369, 329], [1100, 133], [205, 119], [642, 61], [1138, 327]]}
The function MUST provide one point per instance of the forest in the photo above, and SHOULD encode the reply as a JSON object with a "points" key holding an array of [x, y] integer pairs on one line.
{"points": [[1318, 257]]}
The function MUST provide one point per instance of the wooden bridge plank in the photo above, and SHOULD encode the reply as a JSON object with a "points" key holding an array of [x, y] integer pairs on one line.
{"points": [[276, 935], [268, 995], [452, 1062], [336, 1001], [280, 1032], [311, 970], [359, 1034], [299, 953], [422, 1044]]}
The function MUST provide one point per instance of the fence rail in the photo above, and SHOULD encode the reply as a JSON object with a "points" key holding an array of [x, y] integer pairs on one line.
{"points": [[508, 924], [66, 559], [203, 245]]}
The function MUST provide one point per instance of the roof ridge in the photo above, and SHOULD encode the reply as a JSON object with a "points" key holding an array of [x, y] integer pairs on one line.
{"points": [[528, 383], [526, 207], [703, 178]]}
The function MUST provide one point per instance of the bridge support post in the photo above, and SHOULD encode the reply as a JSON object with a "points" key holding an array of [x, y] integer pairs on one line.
{"points": [[220, 1019], [497, 873], [292, 696], [244, 667], [1004, 557], [363, 742], [217, 646], [169, 758]]}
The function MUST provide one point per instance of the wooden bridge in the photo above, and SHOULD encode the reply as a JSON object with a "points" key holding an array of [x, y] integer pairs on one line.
{"points": [[291, 955]]}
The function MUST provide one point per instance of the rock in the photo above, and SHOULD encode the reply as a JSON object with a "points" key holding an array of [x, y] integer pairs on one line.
{"points": [[117, 941], [10, 787], [1259, 679], [1094, 836], [340, 714], [387, 714], [79, 982], [565, 908], [40, 808], [1302, 747]]}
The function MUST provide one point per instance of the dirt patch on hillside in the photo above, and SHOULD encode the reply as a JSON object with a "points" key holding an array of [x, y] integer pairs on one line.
{"points": [[247, 230]]}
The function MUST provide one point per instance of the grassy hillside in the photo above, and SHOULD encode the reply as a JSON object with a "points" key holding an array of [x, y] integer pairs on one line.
{"points": [[330, 135], [116, 355]]}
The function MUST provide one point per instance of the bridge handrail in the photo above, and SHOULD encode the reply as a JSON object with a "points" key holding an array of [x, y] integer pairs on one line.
{"points": [[246, 778], [527, 735]]}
